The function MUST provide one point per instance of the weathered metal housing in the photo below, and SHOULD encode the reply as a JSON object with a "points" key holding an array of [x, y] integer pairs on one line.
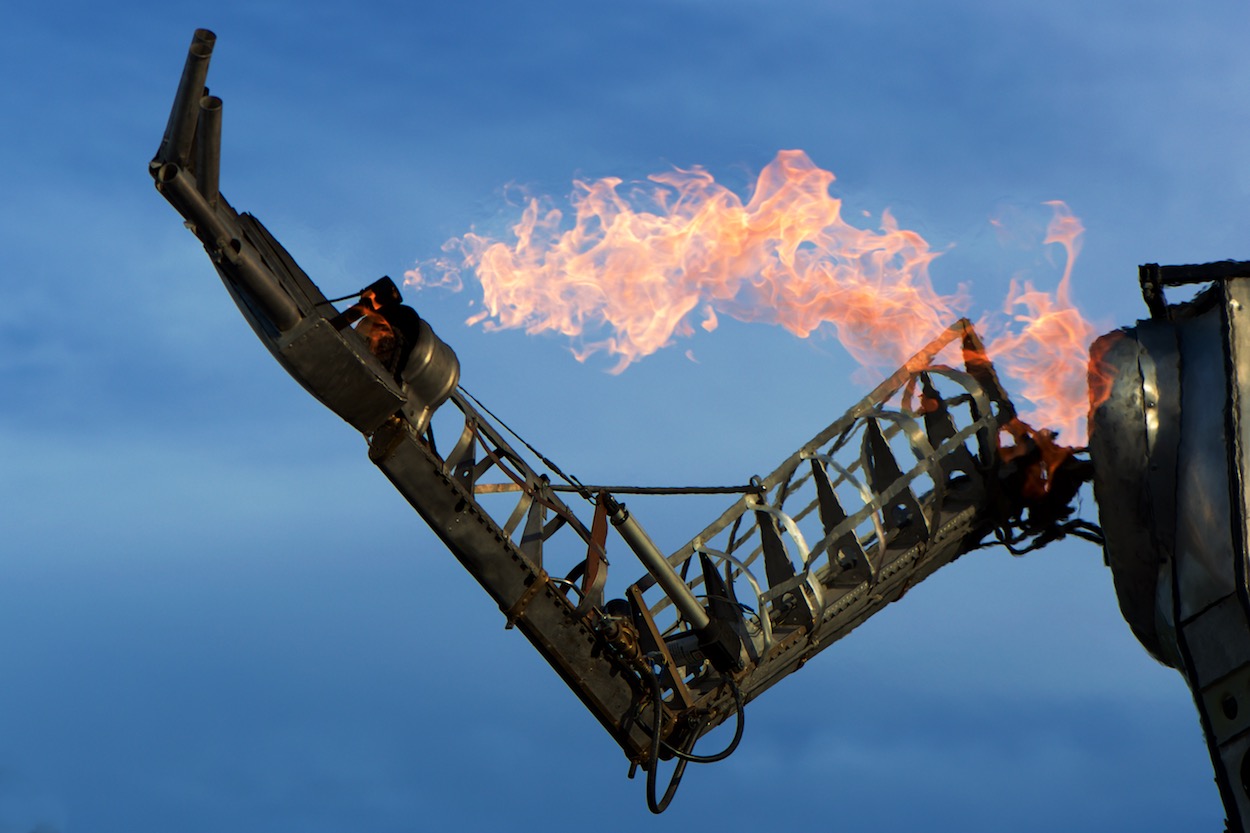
{"points": [[908, 480], [1169, 437]]}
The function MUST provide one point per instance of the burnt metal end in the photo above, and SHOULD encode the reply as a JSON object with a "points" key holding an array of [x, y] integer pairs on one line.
{"points": [[1155, 278]]}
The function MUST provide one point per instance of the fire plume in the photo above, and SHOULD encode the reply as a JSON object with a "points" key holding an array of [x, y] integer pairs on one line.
{"points": [[1048, 355], [638, 267], [784, 257]]}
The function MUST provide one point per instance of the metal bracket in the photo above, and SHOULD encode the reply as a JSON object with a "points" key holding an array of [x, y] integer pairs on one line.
{"points": [[512, 614]]}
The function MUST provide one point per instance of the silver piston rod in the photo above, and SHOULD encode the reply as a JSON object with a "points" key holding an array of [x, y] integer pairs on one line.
{"points": [[656, 564]]}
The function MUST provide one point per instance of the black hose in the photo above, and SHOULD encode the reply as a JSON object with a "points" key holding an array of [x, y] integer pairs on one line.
{"points": [[733, 744], [674, 781], [355, 294], [683, 756]]}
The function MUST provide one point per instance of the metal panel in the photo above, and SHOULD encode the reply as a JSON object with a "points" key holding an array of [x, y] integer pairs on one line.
{"points": [[1218, 641], [1173, 486], [1237, 316], [1204, 547]]}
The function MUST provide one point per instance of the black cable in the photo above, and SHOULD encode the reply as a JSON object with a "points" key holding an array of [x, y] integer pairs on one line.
{"points": [[1008, 536], [728, 750], [572, 481], [674, 780], [686, 755], [588, 492], [664, 490], [355, 294]]}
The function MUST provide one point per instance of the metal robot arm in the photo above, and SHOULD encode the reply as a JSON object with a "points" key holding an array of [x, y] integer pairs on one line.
{"points": [[908, 480]]}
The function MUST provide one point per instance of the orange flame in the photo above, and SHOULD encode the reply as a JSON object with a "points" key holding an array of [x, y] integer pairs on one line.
{"points": [[1047, 456], [683, 249], [785, 257], [1049, 355], [1102, 372]]}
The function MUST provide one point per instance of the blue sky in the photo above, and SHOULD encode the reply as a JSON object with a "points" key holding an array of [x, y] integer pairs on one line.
{"points": [[216, 615]]}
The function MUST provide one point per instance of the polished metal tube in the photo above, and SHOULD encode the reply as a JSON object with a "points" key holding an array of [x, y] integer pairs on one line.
{"points": [[659, 568]]}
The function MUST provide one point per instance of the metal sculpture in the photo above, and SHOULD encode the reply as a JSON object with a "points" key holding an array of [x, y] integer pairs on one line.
{"points": [[908, 480]]}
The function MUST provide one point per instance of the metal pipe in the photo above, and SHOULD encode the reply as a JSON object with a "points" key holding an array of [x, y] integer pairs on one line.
{"points": [[178, 186], [208, 148], [657, 565], [262, 283], [227, 249], [180, 130]]}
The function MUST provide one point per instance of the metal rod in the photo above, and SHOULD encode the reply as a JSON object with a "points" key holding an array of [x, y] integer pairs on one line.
{"points": [[660, 490], [227, 250], [180, 130], [262, 283], [208, 148], [493, 488], [1202, 272], [657, 565], [178, 186]]}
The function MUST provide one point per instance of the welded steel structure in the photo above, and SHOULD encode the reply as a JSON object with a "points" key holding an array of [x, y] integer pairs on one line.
{"points": [[1172, 481], [908, 480]]}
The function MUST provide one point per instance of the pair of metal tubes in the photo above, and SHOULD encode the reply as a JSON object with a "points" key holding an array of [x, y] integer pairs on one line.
{"points": [[193, 186]]}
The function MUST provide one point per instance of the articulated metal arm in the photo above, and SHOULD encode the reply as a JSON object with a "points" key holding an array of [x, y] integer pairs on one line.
{"points": [[908, 480], [338, 365]]}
